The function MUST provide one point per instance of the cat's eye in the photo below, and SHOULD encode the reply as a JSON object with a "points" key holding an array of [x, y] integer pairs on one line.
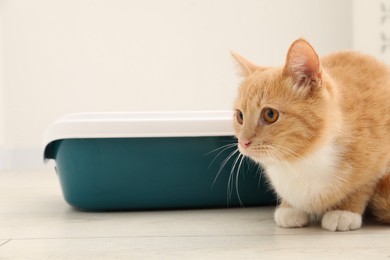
{"points": [[239, 117], [270, 115]]}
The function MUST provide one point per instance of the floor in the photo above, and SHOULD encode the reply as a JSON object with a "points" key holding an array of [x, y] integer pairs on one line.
{"points": [[36, 223]]}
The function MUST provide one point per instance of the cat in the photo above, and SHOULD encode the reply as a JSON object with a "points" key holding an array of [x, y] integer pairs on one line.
{"points": [[320, 128]]}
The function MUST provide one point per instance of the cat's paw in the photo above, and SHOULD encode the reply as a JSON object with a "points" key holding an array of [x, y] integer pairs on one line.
{"points": [[290, 217], [340, 220]]}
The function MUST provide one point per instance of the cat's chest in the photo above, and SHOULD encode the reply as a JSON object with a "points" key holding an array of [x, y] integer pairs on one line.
{"points": [[304, 183]]}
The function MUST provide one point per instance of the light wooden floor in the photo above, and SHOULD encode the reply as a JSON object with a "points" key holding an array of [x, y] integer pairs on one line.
{"points": [[35, 223]]}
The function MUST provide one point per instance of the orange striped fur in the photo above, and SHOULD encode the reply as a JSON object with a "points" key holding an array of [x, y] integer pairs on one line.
{"points": [[328, 153]]}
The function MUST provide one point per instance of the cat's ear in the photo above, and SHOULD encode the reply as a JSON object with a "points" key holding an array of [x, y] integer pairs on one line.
{"points": [[303, 64], [246, 67]]}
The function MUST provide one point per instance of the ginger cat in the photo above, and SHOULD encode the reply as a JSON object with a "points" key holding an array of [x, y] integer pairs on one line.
{"points": [[321, 130]]}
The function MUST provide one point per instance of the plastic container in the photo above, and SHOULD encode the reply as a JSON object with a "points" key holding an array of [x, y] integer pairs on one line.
{"points": [[146, 161]]}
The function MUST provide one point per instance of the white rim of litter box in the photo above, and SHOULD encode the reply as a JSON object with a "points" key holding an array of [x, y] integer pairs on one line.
{"points": [[140, 124]]}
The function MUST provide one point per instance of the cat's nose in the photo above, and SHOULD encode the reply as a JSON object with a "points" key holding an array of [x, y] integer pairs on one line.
{"points": [[244, 143]]}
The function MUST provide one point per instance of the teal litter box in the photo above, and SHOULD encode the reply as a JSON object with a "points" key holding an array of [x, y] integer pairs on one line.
{"points": [[147, 161]]}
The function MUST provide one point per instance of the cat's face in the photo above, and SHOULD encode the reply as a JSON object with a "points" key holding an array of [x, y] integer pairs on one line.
{"points": [[282, 113]]}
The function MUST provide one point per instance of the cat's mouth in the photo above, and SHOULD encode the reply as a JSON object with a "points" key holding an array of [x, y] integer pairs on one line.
{"points": [[257, 153], [263, 152], [245, 151]]}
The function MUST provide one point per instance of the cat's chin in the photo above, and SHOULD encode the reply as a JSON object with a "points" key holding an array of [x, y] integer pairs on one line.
{"points": [[248, 154], [263, 159]]}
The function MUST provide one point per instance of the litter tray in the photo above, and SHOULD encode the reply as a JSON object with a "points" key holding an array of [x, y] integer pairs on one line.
{"points": [[147, 161]]}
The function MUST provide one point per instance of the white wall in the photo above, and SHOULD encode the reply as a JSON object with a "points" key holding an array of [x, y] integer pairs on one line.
{"points": [[371, 31], [3, 154], [81, 55]]}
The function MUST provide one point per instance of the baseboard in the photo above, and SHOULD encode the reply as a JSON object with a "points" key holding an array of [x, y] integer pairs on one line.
{"points": [[22, 158]]}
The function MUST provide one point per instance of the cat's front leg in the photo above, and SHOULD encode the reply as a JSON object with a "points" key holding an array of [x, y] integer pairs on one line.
{"points": [[288, 217], [341, 220], [348, 215]]}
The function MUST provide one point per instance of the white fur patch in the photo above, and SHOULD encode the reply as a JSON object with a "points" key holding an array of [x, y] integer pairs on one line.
{"points": [[303, 183], [290, 217], [340, 220]]}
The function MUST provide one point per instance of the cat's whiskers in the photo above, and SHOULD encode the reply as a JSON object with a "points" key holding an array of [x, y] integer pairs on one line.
{"points": [[258, 172], [223, 164], [275, 154], [238, 162], [230, 183], [224, 148], [269, 155], [238, 172], [288, 151], [252, 163]]}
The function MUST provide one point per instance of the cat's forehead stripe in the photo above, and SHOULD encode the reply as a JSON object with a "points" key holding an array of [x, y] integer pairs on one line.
{"points": [[262, 88]]}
